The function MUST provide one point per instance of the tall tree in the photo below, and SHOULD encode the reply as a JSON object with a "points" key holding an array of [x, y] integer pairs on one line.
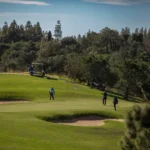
{"points": [[148, 34], [109, 40], [37, 32], [79, 38], [125, 33], [4, 35], [22, 32], [142, 30], [28, 31], [49, 36], [145, 32], [13, 32], [57, 31]]}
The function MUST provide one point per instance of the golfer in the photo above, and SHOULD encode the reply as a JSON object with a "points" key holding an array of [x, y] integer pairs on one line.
{"points": [[51, 93]]}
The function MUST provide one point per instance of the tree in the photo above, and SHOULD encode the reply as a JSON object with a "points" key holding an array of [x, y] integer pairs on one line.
{"points": [[3, 48], [97, 69], [13, 33], [79, 38], [58, 32], [38, 29], [132, 68], [48, 49], [75, 67], [68, 41], [28, 31], [28, 25], [109, 40], [145, 32], [125, 33], [148, 33], [37, 32], [138, 129], [22, 32], [19, 55], [4, 34], [142, 30], [49, 36]]}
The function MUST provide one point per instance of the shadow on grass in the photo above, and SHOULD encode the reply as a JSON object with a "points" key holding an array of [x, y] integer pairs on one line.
{"points": [[70, 117], [50, 78], [47, 77], [121, 96], [36, 75]]}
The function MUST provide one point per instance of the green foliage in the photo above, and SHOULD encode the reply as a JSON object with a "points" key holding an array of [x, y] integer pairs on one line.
{"points": [[68, 41], [48, 49], [75, 67], [57, 31], [97, 69], [138, 129], [119, 60], [3, 48], [19, 55], [15, 33]]}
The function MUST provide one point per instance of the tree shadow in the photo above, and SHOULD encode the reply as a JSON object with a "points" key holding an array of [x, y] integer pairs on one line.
{"points": [[47, 77], [50, 78], [121, 96], [39, 76]]}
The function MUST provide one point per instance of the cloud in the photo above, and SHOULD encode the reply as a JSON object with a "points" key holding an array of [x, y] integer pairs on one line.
{"points": [[118, 2], [25, 2]]}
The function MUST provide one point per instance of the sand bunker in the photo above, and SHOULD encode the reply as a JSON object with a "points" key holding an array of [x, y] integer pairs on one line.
{"points": [[87, 121]]}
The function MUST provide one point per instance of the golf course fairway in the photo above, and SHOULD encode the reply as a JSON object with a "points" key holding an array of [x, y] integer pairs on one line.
{"points": [[25, 110]]}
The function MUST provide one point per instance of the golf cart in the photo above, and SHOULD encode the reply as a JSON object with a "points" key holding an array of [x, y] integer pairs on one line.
{"points": [[37, 69]]}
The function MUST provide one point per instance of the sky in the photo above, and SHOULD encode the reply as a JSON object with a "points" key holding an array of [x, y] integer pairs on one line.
{"points": [[77, 16]]}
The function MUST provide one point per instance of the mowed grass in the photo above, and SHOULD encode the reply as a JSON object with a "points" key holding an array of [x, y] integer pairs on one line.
{"points": [[21, 126]]}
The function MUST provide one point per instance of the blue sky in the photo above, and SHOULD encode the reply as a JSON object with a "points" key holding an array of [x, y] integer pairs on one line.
{"points": [[77, 16]]}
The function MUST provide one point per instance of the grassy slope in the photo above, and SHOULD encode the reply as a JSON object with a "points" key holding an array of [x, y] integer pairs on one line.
{"points": [[21, 128]]}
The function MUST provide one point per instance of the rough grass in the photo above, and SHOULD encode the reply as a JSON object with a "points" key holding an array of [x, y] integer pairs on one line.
{"points": [[22, 126]]}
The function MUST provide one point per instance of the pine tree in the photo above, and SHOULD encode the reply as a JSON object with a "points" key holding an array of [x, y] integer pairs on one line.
{"points": [[49, 36], [13, 32], [138, 129], [4, 34], [145, 32], [58, 32], [142, 31]]}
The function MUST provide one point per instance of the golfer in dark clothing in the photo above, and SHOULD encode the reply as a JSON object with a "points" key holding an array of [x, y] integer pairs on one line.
{"points": [[115, 101], [51, 93], [104, 98]]}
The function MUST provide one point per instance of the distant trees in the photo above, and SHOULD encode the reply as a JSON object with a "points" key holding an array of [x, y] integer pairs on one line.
{"points": [[19, 55], [116, 59], [4, 33], [75, 67], [15, 33], [110, 40]]}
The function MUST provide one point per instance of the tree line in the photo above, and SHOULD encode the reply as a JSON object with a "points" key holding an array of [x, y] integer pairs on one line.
{"points": [[15, 33], [109, 57]]}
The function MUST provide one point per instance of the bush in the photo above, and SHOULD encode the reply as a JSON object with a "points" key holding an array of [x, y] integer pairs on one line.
{"points": [[138, 129]]}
